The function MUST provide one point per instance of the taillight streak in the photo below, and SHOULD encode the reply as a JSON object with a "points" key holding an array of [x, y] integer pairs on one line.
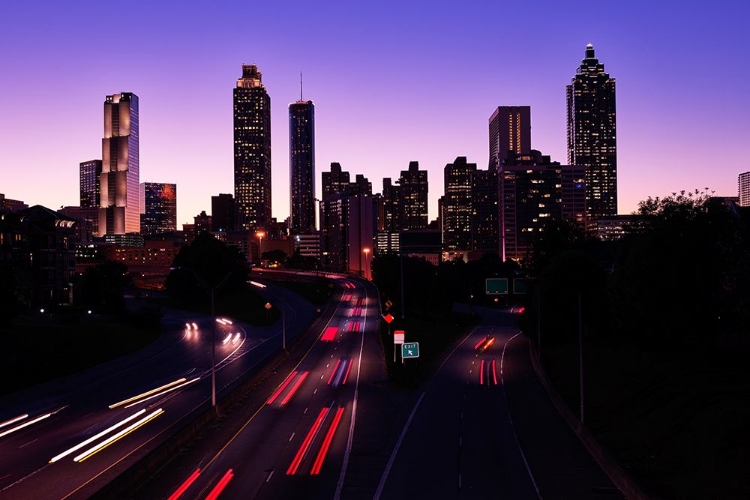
{"points": [[348, 369], [480, 343], [329, 334], [281, 388], [294, 388], [305, 446], [223, 482], [184, 486], [481, 373], [494, 372], [333, 373], [327, 442]]}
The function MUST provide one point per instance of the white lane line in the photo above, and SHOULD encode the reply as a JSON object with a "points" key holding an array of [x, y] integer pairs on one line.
{"points": [[269, 476], [304, 412], [28, 443], [315, 391], [392, 458], [291, 437]]}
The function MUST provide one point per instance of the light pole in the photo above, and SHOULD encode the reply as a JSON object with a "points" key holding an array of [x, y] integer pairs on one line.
{"points": [[212, 292], [283, 325], [260, 235], [367, 267]]}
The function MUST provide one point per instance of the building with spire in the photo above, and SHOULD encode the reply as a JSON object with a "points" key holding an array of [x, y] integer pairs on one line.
{"points": [[302, 167], [252, 151], [592, 138], [119, 186]]}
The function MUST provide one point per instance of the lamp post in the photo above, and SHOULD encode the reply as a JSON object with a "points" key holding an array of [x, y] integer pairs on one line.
{"points": [[212, 292], [268, 307], [580, 343], [260, 235], [367, 266]]}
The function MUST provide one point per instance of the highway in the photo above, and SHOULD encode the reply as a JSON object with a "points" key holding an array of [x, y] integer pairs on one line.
{"points": [[66, 439], [297, 444]]}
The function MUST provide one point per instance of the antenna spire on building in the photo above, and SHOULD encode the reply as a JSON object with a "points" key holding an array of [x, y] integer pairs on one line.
{"points": [[300, 86]]}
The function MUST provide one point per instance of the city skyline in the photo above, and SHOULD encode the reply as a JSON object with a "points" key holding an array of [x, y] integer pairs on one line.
{"points": [[679, 126]]}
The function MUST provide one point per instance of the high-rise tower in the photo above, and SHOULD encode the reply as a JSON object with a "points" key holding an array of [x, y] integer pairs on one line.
{"points": [[159, 213], [302, 167], [510, 131], [119, 196], [90, 172], [252, 150], [592, 133]]}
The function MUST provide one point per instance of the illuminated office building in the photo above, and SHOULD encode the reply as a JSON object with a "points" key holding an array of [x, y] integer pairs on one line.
{"points": [[510, 133], [457, 206], [743, 182], [159, 211], [89, 173], [119, 191], [252, 151], [592, 138]]}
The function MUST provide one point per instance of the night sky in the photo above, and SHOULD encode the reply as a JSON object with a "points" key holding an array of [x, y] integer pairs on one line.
{"points": [[391, 82]]}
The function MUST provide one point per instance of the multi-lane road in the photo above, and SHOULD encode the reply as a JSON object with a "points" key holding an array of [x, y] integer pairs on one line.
{"points": [[324, 424], [65, 439]]}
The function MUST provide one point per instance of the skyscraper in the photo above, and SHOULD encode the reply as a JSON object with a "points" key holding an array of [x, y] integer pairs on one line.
{"points": [[119, 196], [457, 207], [89, 183], [159, 214], [592, 133], [413, 189], [743, 182], [302, 167], [223, 212], [510, 131], [252, 150]]}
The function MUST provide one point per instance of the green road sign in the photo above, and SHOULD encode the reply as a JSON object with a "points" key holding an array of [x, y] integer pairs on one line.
{"points": [[410, 350], [496, 286]]}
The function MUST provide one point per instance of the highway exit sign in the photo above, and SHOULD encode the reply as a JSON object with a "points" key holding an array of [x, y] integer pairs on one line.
{"points": [[410, 350]]}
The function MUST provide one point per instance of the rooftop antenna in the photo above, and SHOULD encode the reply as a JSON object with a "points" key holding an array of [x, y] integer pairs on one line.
{"points": [[300, 86]]}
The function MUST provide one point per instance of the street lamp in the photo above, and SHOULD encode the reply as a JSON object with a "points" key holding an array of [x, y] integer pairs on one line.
{"points": [[260, 235], [367, 267], [212, 292], [283, 325]]}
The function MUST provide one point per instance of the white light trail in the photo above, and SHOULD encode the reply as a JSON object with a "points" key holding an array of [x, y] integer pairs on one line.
{"points": [[91, 451]]}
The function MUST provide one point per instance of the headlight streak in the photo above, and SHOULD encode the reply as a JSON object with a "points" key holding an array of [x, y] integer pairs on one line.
{"points": [[147, 393], [259, 285], [14, 420], [191, 381], [26, 424], [96, 449], [94, 438]]}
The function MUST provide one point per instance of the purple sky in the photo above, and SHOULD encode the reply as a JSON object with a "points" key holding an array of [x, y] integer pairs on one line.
{"points": [[391, 82]]}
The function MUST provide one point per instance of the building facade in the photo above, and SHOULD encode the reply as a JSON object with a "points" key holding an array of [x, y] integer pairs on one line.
{"points": [[159, 213], [252, 150], [302, 167], [457, 207], [119, 195], [223, 212], [89, 174], [510, 131], [592, 137], [743, 184]]}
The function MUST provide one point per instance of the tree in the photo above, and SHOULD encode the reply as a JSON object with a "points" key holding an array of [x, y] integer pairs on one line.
{"points": [[206, 263], [102, 286]]}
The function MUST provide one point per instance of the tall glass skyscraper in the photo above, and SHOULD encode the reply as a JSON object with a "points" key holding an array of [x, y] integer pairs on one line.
{"points": [[592, 133], [119, 196], [252, 150], [302, 167], [510, 131]]}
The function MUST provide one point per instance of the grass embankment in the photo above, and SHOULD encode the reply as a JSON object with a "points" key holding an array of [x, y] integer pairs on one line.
{"points": [[675, 420], [433, 337], [38, 352]]}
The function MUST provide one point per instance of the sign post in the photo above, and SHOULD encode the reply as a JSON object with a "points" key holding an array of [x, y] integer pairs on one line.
{"points": [[398, 338], [409, 350]]}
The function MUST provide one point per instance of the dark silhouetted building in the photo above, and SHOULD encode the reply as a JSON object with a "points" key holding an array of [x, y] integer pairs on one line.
{"points": [[535, 191], [592, 138], [302, 167], [119, 192], [222, 212], [252, 150], [159, 213]]}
